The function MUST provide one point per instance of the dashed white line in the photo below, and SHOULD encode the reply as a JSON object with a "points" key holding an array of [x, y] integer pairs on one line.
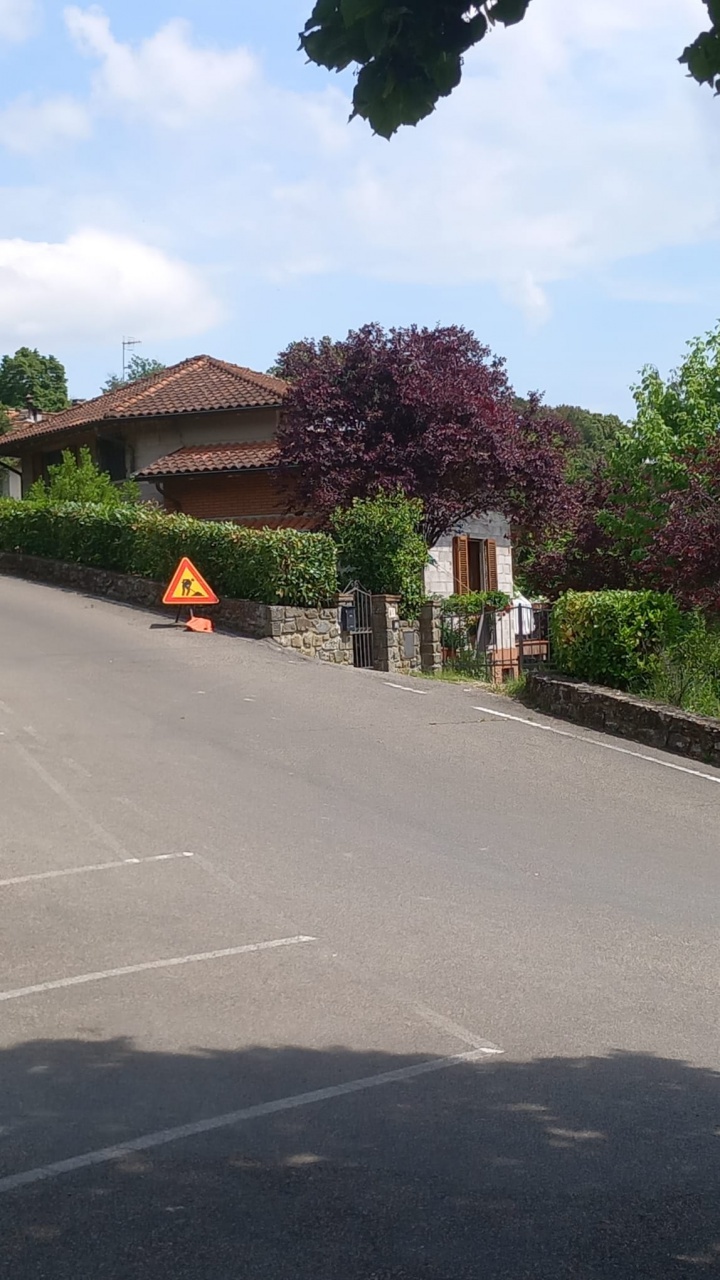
{"points": [[97, 866], [106, 1155], [80, 979], [405, 688], [595, 742]]}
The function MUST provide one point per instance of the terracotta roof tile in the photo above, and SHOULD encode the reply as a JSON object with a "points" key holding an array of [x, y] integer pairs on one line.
{"points": [[200, 384], [204, 459]]}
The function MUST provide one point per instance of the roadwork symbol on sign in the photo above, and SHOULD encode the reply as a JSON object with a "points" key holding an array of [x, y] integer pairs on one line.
{"points": [[187, 586]]}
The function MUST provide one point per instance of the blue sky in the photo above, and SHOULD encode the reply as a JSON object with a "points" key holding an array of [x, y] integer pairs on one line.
{"points": [[173, 170]]}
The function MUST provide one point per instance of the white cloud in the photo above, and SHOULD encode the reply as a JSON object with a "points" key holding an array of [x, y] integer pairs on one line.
{"points": [[95, 285], [574, 143], [27, 125], [165, 77], [17, 19]]}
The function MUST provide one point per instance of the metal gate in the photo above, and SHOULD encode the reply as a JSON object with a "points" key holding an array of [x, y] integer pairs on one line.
{"points": [[359, 624]]}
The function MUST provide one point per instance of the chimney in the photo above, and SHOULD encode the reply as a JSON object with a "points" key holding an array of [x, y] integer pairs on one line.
{"points": [[33, 413]]}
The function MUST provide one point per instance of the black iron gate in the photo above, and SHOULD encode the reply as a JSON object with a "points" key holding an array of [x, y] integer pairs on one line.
{"points": [[358, 618]]}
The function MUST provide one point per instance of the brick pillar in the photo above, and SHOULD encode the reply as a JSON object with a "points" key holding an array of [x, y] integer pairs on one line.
{"points": [[430, 638], [386, 633]]}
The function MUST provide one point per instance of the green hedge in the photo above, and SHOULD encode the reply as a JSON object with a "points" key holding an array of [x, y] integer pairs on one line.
{"points": [[279, 566], [615, 638]]}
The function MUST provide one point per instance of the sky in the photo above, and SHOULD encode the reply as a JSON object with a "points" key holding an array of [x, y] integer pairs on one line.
{"points": [[174, 171]]}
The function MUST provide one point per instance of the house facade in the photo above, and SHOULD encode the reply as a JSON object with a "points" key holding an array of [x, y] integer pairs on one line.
{"points": [[477, 556], [199, 437]]}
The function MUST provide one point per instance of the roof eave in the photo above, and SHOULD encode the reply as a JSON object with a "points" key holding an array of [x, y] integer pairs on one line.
{"points": [[143, 476]]}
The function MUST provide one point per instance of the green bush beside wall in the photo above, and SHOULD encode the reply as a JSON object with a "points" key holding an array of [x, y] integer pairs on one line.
{"points": [[615, 638], [275, 566]]}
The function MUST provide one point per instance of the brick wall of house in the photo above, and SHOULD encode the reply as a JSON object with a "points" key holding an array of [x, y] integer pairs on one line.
{"points": [[226, 497]]}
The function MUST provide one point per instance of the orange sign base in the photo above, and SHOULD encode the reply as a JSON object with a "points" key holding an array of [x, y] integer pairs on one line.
{"points": [[198, 624]]}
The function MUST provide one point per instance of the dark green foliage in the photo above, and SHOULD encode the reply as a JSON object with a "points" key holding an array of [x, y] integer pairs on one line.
{"points": [[411, 55], [702, 57], [615, 638], [80, 480], [379, 543], [273, 566], [28, 376]]}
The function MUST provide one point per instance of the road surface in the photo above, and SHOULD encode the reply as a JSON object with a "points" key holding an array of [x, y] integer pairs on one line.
{"points": [[316, 974]]}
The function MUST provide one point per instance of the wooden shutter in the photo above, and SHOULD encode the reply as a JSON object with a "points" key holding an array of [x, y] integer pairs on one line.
{"points": [[491, 564], [461, 566]]}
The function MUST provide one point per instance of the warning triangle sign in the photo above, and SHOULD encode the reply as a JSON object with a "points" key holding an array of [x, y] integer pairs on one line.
{"points": [[187, 586]]}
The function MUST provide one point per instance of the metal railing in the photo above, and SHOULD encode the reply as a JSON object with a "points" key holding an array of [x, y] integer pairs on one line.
{"points": [[497, 646]]}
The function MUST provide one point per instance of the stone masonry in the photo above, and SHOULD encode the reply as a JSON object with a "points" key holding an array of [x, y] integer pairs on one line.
{"points": [[611, 711]]}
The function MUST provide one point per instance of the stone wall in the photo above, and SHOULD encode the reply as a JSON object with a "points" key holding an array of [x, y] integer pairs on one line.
{"points": [[396, 644], [431, 657], [315, 633], [610, 711]]}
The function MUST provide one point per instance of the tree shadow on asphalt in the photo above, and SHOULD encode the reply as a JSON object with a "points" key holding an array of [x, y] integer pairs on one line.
{"points": [[558, 1168]]}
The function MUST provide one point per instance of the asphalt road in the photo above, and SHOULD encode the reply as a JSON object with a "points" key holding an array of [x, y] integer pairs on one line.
{"points": [[307, 975]]}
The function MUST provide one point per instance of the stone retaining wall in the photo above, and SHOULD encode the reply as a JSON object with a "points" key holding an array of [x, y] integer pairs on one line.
{"points": [[610, 711], [313, 632]]}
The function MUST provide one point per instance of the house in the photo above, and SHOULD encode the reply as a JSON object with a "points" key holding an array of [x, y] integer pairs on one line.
{"points": [[10, 480], [199, 437]]}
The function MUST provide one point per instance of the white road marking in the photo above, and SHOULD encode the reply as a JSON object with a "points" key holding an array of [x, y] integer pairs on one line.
{"points": [[97, 866], [406, 688], [82, 978], [162, 1137], [59, 790], [456, 1029], [607, 746]]}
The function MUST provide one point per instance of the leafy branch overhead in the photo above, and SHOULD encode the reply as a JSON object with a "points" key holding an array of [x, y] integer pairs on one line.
{"points": [[410, 55]]}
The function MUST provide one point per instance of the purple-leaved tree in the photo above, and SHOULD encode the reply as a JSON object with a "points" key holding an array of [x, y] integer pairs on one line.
{"points": [[427, 411]]}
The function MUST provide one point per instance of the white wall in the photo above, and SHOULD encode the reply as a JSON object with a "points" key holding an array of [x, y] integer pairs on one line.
{"points": [[439, 580], [10, 484]]}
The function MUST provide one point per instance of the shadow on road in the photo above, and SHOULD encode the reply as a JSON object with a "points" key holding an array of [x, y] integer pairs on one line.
{"points": [[602, 1167]]}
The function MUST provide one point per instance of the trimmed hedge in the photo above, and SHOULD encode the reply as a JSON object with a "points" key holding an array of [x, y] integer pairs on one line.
{"points": [[615, 638], [274, 566]]}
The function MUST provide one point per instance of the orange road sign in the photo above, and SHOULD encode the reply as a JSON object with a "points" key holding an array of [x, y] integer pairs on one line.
{"points": [[187, 586]]}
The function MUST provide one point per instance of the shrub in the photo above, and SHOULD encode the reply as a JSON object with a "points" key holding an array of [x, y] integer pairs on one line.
{"points": [[615, 637], [272, 566], [80, 480], [473, 604], [379, 543], [688, 673]]}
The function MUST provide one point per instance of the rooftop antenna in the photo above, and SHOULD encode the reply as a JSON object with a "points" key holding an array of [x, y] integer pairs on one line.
{"points": [[126, 343]]}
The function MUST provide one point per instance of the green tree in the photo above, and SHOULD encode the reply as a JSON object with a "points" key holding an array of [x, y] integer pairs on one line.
{"points": [[137, 367], [80, 480], [676, 421], [595, 433], [29, 375], [410, 55]]}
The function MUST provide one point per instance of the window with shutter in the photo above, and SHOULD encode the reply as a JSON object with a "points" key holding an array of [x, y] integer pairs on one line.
{"points": [[461, 565], [491, 575]]}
